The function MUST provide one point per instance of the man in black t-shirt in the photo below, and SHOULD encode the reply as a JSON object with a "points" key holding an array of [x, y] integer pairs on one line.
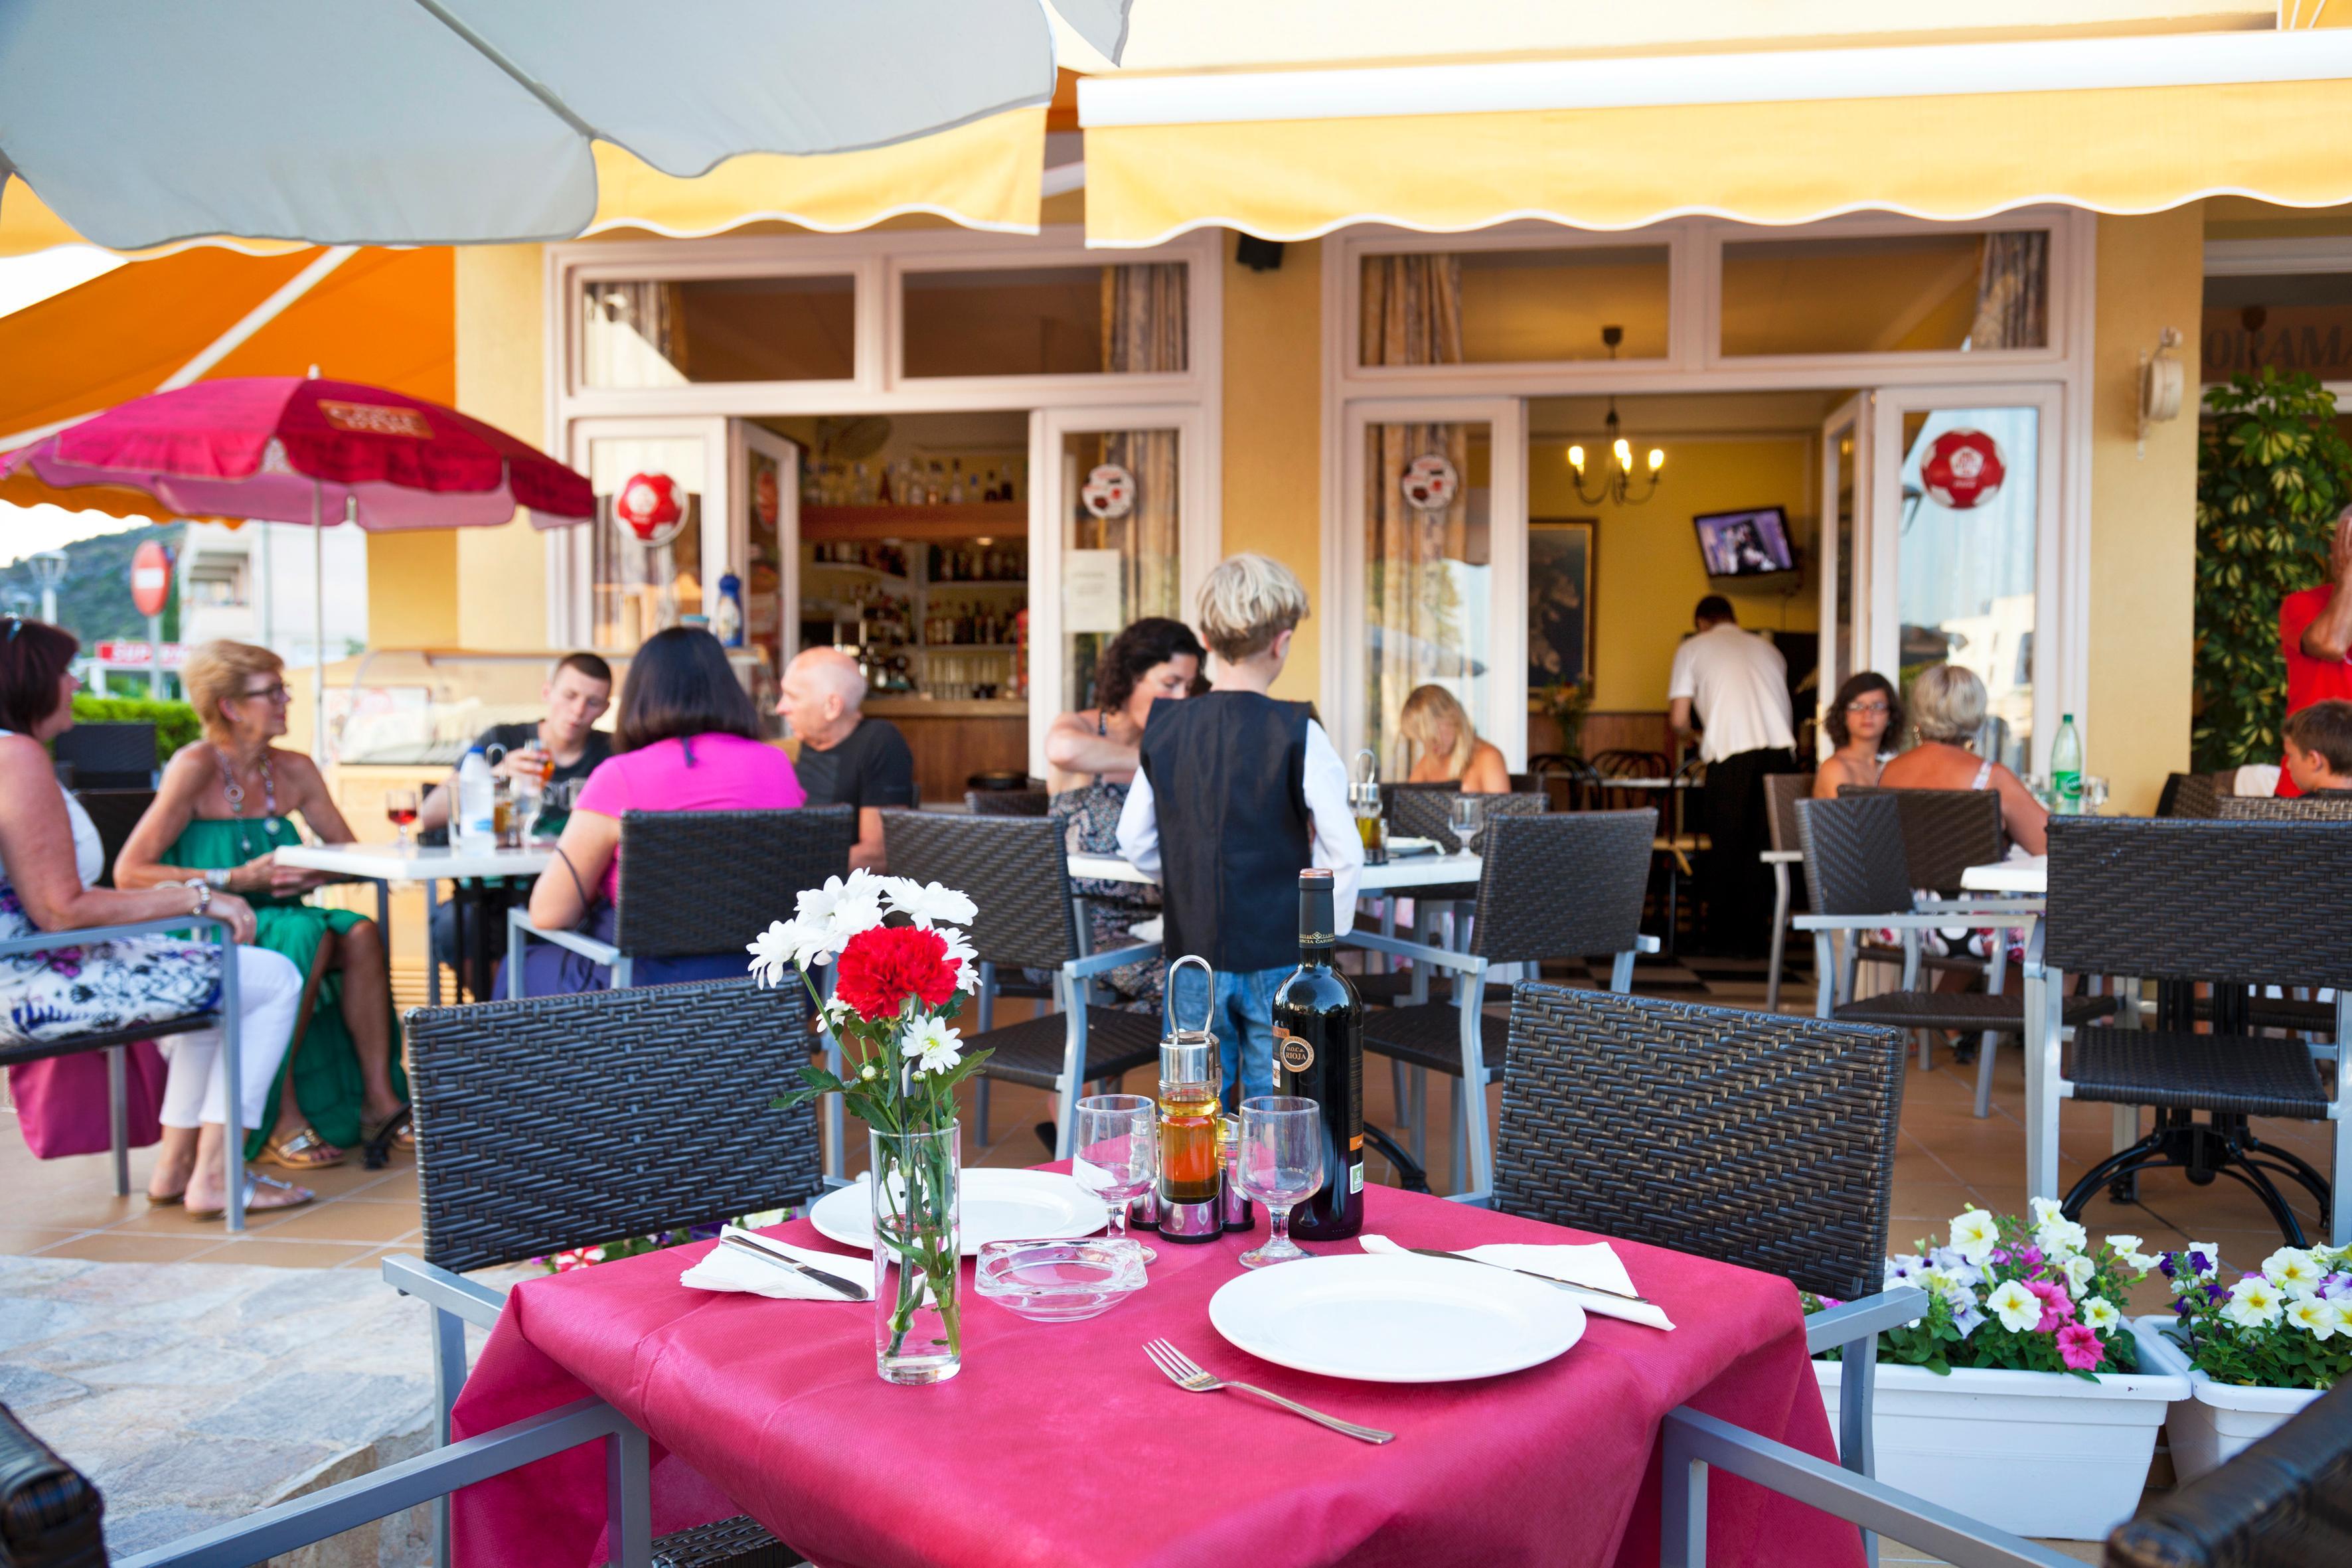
{"points": [[847, 758]]}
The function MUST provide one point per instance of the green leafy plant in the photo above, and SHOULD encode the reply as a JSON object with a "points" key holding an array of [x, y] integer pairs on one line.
{"points": [[175, 722], [2287, 1326], [2272, 474]]}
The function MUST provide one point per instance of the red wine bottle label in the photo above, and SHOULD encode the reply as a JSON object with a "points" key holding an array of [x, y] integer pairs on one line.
{"points": [[1295, 1052]]}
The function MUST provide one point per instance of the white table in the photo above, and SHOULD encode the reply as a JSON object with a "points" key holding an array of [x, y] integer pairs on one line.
{"points": [[2028, 876], [385, 864], [1400, 871]]}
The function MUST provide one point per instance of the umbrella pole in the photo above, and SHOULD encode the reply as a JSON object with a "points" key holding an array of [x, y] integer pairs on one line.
{"points": [[318, 629]]}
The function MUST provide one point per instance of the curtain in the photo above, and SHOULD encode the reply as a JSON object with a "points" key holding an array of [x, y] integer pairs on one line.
{"points": [[635, 336], [1146, 327], [2013, 291], [1417, 626]]}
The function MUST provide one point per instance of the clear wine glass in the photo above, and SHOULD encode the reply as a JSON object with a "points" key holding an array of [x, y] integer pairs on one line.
{"points": [[1280, 1164], [1118, 1153], [1465, 815], [400, 805], [2094, 795]]}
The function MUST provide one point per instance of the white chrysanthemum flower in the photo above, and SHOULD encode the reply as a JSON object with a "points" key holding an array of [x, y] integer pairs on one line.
{"points": [[2017, 1308], [967, 959], [2078, 1268], [932, 1046], [2315, 1317], [786, 944], [2254, 1303], [1974, 1235], [928, 904], [843, 907], [2294, 1270], [2101, 1314]]}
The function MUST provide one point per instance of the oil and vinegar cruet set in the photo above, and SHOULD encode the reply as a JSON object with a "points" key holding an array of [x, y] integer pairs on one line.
{"points": [[1197, 1197]]}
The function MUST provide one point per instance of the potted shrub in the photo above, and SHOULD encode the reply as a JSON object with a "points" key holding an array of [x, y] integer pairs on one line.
{"points": [[2020, 1398], [2254, 1352]]}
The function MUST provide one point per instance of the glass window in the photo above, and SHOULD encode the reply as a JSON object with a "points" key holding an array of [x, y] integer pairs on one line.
{"points": [[1522, 306], [1046, 320], [1429, 592], [646, 557], [1890, 294], [1965, 560], [646, 335], [1120, 552], [2300, 320]]}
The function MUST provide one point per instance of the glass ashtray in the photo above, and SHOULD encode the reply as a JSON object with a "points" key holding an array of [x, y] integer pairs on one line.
{"points": [[1060, 1282]]}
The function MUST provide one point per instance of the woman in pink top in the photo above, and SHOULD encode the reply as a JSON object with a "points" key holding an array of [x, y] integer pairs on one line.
{"points": [[685, 740]]}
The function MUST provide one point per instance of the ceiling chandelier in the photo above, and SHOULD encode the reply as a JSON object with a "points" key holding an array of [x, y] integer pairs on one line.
{"points": [[1615, 487]]}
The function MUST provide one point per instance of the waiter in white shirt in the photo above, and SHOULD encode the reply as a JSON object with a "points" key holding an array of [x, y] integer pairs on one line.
{"points": [[1738, 685]]}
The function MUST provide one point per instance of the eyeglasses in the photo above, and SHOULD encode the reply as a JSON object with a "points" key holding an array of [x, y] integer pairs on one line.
{"points": [[1866, 708], [277, 693]]}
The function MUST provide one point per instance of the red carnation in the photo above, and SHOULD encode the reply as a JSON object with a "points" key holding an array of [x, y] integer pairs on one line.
{"points": [[882, 967]]}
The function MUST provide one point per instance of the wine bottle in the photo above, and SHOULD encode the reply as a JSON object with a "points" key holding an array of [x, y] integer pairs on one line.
{"points": [[1318, 1053]]}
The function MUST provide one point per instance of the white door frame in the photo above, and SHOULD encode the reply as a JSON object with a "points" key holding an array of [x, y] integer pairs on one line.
{"points": [[1850, 418], [2056, 683], [1346, 630], [1198, 532], [743, 438], [572, 612]]}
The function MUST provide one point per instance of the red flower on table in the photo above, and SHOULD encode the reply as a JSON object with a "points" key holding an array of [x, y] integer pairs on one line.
{"points": [[882, 967]]}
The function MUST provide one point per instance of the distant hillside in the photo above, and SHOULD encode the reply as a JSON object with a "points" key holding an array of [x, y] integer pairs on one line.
{"points": [[94, 600]]}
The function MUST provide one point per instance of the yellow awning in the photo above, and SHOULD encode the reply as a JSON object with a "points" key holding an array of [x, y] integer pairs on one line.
{"points": [[984, 175], [1760, 138]]}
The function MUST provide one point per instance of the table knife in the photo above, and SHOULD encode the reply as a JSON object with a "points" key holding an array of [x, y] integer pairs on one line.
{"points": [[1563, 1284], [839, 1286]]}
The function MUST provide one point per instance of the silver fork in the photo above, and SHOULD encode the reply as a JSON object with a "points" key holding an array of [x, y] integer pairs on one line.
{"points": [[1186, 1374]]}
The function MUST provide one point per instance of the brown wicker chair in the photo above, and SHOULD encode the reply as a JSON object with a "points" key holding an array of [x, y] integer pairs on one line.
{"points": [[2285, 1501]]}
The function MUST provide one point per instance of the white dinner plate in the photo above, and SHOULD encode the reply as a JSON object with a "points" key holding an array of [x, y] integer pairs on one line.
{"points": [[998, 1205], [1410, 845], [1383, 1319]]}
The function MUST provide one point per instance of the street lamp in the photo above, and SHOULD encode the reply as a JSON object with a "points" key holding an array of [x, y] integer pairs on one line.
{"points": [[49, 570]]}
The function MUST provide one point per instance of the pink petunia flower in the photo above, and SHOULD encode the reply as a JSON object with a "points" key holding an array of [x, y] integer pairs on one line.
{"points": [[2057, 1307], [2079, 1347]]}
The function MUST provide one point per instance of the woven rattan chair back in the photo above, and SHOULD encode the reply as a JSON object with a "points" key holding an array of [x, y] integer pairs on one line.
{"points": [[1561, 885], [1746, 1137], [1421, 811], [1944, 831], [2190, 795], [1855, 863], [1781, 794], [1007, 802], [109, 756], [564, 1121], [2332, 806], [708, 881], [2184, 900], [2285, 1499], [1015, 868]]}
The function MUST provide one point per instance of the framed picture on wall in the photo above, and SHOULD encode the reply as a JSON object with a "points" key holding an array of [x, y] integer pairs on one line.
{"points": [[1560, 551]]}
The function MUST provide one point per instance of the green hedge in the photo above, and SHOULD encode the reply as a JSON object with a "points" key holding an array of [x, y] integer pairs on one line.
{"points": [[175, 722]]}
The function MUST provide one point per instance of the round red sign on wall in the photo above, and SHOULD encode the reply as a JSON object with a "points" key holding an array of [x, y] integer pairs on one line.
{"points": [[150, 578], [1963, 468], [653, 506]]}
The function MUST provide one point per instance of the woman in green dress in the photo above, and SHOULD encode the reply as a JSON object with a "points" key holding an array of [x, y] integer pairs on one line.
{"points": [[224, 809]]}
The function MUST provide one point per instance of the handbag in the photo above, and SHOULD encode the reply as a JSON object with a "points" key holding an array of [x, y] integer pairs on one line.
{"points": [[61, 1102]]}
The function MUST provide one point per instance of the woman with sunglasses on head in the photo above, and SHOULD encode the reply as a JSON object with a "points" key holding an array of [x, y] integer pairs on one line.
{"points": [[223, 812], [1864, 722]]}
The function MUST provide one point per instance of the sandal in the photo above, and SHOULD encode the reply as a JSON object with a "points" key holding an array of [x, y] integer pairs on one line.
{"points": [[253, 1184], [302, 1150], [168, 1200], [380, 1138]]}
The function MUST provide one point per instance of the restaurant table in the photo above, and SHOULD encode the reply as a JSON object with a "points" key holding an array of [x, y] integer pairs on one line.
{"points": [[385, 864], [1060, 1442], [2028, 876], [1399, 872]]}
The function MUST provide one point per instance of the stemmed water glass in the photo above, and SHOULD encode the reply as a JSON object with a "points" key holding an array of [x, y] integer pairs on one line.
{"points": [[1279, 1162], [1465, 815], [1118, 1153]]}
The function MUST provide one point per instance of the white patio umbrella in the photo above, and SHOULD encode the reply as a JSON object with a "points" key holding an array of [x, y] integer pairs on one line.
{"points": [[470, 122]]}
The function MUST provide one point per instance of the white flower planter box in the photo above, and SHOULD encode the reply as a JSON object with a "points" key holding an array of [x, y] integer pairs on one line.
{"points": [[2217, 1419], [2036, 1452]]}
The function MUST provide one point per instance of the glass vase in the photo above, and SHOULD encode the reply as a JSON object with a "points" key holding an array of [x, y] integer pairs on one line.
{"points": [[918, 1253]]}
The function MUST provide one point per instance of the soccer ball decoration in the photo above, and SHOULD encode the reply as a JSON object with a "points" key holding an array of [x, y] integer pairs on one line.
{"points": [[1109, 492], [1430, 482], [1963, 469], [653, 506]]}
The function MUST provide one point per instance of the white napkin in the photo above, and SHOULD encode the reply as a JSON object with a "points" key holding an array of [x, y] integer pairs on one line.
{"points": [[725, 1268], [1595, 1265]]}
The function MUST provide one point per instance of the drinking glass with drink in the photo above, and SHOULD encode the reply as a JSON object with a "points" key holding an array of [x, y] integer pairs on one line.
{"points": [[400, 805]]}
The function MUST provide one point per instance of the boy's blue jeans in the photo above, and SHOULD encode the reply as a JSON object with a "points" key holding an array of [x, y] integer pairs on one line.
{"points": [[1241, 1014]]}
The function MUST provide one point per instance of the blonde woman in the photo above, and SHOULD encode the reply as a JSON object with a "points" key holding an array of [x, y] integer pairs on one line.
{"points": [[224, 810], [1449, 745], [1947, 709]]}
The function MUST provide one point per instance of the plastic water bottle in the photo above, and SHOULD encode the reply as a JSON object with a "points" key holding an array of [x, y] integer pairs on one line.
{"points": [[476, 822], [2066, 767]]}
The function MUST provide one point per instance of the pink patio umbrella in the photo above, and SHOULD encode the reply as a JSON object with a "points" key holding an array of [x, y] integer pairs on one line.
{"points": [[295, 450]]}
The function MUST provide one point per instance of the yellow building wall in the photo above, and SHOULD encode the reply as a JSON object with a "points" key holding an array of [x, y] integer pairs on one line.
{"points": [[502, 578], [1272, 483], [2151, 275], [409, 600], [1648, 574]]}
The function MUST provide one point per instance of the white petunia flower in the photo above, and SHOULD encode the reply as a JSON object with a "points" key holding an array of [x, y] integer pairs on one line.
{"points": [[2294, 1271], [2101, 1314], [2017, 1308], [2208, 1256], [967, 959], [927, 904], [1974, 1235], [2127, 1251], [2315, 1317], [2041, 1211], [2060, 1238], [2254, 1303], [1959, 1298], [2078, 1268], [932, 1046]]}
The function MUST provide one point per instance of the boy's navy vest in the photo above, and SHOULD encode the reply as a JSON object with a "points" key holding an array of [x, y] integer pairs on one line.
{"points": [[1228, 774]]}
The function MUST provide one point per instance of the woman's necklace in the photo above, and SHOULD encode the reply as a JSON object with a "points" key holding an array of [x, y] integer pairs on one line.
{"points": [[233, 793]]}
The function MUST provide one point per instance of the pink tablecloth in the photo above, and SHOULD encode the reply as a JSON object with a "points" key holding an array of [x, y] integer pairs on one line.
{"points": [[1059, 1443]]}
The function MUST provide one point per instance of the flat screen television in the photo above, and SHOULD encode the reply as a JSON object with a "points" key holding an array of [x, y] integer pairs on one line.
{"points": [[1753, 543]]}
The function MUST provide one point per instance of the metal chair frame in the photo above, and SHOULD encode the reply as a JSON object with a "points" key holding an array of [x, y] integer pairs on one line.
{"points": [[1784, 854], [118, 1042]]}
